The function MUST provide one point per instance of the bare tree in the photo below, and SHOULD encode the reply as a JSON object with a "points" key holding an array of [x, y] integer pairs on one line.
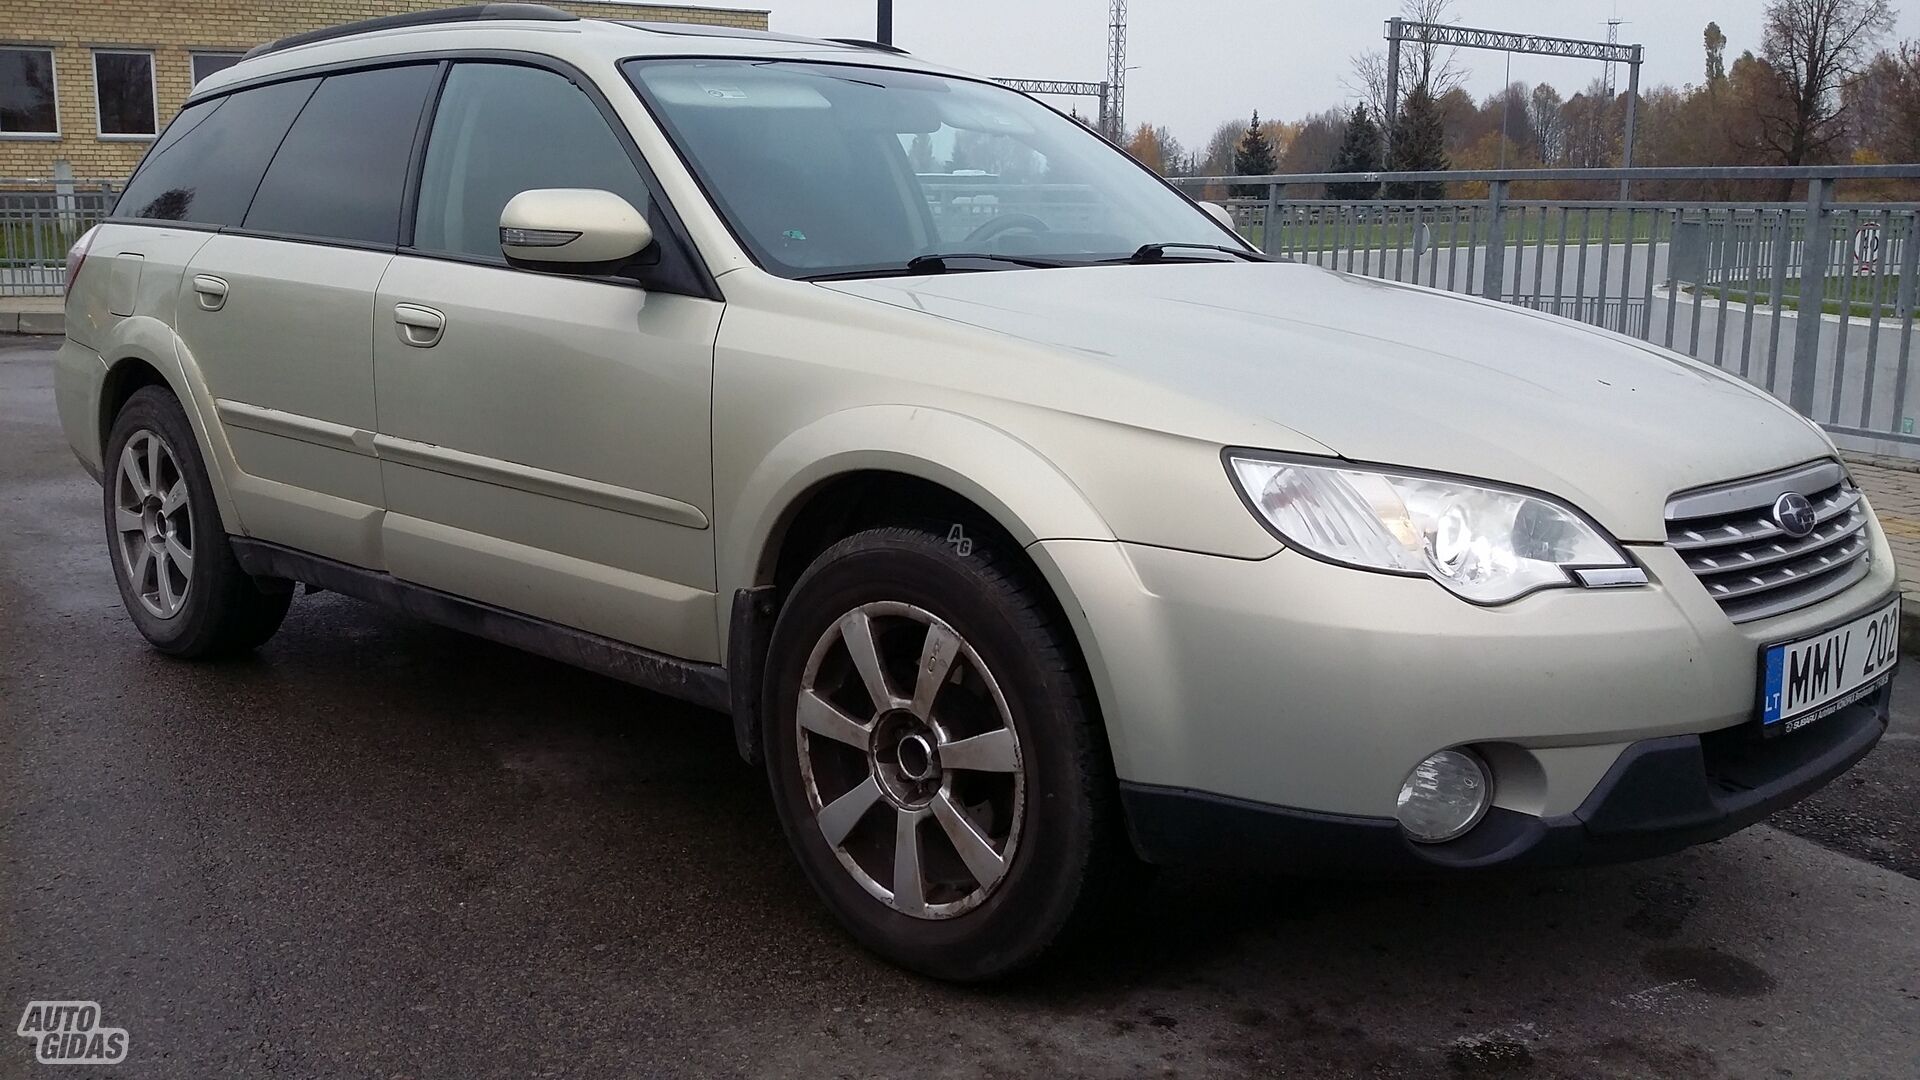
{"points": [[1543, 109], [1368, 80], [1883, 105], [1423, 65], [1814, 48], [1217, 159], [1428, 66]]}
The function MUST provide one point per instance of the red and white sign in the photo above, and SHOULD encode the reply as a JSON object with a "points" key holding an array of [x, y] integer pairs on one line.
{"points": [[1866, 248]]}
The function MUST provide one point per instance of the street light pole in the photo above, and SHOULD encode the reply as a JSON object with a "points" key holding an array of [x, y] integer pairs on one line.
{"points": [[883, 33]]}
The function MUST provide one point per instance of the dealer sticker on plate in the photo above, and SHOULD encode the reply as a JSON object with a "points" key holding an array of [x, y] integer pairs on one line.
{"points": [[1818, 676]]}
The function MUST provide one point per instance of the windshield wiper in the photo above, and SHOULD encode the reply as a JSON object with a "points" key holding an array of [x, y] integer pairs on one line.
{"points": [[938, 264], [1153, 253]]}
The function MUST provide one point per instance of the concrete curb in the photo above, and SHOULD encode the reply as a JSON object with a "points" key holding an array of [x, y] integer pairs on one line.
{"points": [[33, 322], [40, 322], [1880, 461]]}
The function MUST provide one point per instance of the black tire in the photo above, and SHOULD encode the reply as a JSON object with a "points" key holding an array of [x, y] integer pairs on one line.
{"points": [[1072, 854], [225, 611]]}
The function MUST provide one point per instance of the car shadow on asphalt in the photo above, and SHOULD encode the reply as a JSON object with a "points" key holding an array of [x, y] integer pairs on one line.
{"points": [[635, 780]]}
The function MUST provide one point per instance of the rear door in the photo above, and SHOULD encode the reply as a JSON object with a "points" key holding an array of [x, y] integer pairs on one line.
{"points": [[545, 440], [278, 313]]}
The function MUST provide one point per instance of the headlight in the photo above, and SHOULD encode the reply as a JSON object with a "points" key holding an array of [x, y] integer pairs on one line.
{"points": [[1487, 544]]}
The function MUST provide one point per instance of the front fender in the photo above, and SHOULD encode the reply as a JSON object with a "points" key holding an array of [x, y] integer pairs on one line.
{"points": [[1023, 492]]}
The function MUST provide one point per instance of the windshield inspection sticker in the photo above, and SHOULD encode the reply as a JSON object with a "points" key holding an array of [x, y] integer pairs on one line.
{"points": [[70, 1033], [725, 93]]}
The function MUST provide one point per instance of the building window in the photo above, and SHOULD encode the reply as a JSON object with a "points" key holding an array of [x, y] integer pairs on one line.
{"points": [[27, 102], [123, 87], [205, 64]]}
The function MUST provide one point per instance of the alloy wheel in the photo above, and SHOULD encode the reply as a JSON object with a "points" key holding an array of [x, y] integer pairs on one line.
{"points": [[910, 760], [153, 524]]}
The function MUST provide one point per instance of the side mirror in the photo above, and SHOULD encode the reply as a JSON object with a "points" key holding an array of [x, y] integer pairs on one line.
{"points": [[1222, 215], [572, 231]]}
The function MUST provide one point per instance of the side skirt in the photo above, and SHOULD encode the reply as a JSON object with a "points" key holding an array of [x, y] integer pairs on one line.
{"points": [[706, 685]]}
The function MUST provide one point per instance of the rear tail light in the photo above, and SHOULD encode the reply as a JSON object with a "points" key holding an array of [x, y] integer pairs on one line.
{"points": [[77, 254]]}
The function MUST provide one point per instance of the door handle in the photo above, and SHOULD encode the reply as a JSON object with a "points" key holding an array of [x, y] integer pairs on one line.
{"points": [[420, 327], [212, 291]]}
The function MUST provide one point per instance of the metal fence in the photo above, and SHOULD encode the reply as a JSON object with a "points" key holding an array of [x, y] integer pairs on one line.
{"points": [[1812, 300], [39, 220]]}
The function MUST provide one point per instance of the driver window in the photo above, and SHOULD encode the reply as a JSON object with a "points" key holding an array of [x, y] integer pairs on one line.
{"points": [[502, 129]]}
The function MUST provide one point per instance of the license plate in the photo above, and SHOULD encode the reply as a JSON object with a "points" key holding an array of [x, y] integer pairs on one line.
{"points": [[1818, 676]]}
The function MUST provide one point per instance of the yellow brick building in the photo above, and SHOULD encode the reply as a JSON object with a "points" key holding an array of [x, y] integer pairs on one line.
{"points": [[87, 83]]}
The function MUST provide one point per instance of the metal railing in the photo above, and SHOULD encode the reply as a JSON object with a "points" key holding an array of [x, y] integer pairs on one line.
{"points": [[1812, 300], [40, 218]]}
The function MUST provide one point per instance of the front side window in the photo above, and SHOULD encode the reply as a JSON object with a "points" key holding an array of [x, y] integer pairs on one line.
{"points": [[341, 172], [205, 64], [27, 104], [502, 129], [826, 169], [123, 85]]}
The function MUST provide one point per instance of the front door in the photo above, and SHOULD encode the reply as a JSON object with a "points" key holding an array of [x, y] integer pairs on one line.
{"points": [[544, 440]]}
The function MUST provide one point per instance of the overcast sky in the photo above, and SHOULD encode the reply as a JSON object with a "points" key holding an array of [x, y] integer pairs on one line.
{"points": [[1203, 61]]}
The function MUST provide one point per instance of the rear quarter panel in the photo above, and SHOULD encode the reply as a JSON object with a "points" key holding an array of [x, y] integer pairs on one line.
{"points": [[122, 310]]}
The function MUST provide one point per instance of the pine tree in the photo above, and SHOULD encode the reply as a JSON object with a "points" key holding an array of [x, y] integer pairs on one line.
{"points": [[1419, 145], [1253, 157], [921, 154], [1359, 153]]}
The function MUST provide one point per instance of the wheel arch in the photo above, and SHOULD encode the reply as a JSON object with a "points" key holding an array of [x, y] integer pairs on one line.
{"points": [[146, 352], [909, 449], [886, 465]]}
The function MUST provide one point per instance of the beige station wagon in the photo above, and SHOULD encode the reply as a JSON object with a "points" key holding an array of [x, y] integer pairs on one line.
{"points": [[1032, 528]]}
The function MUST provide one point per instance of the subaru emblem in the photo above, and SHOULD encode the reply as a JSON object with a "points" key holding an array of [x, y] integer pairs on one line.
{"points": [[1794, 514]]}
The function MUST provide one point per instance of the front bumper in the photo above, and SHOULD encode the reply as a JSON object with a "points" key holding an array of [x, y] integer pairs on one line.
{"points": [[1237, 687], [1660, 796]]}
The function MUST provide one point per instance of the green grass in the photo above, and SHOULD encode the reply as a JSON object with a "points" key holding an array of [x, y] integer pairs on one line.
{"points": [[1525, 229], [1835, 297], [38, 238]]}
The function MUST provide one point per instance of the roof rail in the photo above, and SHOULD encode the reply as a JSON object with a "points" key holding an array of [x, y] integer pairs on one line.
{"points": [[470, 13], [863, 43]]}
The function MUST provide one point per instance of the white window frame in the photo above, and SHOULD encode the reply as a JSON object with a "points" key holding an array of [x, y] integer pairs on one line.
{"points": [[153, 79], [53, 62], [196, 54]]}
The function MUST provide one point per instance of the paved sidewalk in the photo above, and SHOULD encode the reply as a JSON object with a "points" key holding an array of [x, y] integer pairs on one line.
{"points": [[1895, 494]]}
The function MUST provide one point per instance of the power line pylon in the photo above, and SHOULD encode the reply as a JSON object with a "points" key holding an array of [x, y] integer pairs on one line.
{"points": [[1117, 70]]}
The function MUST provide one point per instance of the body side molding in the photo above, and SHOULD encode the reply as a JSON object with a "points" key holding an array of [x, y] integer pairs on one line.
{"points": [[701, 684]]}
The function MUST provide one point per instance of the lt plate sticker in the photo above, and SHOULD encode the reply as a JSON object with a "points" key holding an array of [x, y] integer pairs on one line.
{"points": [[1817, 676]]}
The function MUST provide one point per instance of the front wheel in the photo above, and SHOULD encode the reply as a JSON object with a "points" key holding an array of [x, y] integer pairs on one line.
{"points": [[934, 758]]}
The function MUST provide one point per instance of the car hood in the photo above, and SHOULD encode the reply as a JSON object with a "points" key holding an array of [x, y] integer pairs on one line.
{"points": [[1382, 372]]}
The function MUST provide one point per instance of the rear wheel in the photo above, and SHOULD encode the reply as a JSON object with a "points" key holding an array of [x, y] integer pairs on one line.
{"points": [[176, 571], [935, 761]]}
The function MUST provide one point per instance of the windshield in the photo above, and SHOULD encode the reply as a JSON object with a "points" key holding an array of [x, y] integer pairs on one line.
{"points": [[828, 169]]}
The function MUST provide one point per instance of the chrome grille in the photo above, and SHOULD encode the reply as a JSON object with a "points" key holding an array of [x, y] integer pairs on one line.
{"points": [[1750, 566]]}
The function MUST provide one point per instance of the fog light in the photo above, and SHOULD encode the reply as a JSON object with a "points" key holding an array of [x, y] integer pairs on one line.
{"points": [[1444, 796]]}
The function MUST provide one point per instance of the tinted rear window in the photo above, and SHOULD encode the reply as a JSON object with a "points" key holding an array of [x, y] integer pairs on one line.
{"points": [[206, 166], [341, 172]]}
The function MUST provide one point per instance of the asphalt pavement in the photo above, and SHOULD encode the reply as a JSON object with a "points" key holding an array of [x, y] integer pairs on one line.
{"points": [[382, 849]]}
